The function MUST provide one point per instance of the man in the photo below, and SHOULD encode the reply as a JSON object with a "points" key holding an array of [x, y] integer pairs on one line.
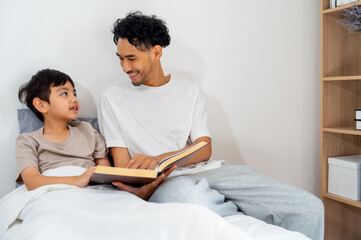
{"points": [[154, 115]]}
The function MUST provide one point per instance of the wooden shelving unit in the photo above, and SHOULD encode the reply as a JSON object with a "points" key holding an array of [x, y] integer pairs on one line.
{"points": [[340, 96]]}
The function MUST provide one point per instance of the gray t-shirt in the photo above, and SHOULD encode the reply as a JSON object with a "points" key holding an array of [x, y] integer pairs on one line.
{"points": [[83, 145]]}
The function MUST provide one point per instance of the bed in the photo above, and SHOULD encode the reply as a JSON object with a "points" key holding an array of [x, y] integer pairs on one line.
{"points": [[103, 212]]}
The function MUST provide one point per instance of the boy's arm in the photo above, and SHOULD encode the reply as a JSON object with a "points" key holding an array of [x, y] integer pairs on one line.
{"points": [[33, 179], [102, 161]]}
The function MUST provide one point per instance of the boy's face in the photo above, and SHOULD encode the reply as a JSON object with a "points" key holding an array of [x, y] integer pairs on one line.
{"points": [[137, 64], [63, 103]]}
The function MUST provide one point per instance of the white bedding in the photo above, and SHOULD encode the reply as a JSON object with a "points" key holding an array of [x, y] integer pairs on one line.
{"points": [[102, 212]]}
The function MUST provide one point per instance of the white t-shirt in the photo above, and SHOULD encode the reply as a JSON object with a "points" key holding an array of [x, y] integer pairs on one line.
{"points": [[152, 120]]}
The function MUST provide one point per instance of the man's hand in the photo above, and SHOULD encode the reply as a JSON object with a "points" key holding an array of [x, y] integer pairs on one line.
{"points": [[144, 162], [147, 190]]}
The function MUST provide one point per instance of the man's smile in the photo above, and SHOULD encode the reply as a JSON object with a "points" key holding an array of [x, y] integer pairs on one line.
{"points": [[133, 75]]}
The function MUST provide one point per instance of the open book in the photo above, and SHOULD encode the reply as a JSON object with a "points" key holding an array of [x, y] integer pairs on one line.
{"points": [[104, 174]]}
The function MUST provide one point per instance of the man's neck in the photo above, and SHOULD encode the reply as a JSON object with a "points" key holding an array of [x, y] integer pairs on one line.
{"points": [[157, 82], [158, 78]]}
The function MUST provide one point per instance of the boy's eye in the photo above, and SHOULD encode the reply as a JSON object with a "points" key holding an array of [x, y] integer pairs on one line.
{"points": [[75, 94], [131, 59], [64, 94]]}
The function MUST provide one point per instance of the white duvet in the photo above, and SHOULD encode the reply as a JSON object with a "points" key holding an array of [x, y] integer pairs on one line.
{"points": [[102, 212]]}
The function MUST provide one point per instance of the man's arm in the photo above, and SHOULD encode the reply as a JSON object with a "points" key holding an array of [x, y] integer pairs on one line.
{"points": [[147, 190], [203, 155], [33, 179], [150, 162], [121, 156]]}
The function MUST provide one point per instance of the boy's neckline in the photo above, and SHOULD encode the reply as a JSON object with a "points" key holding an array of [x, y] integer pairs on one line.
{"points": [[62, 141]]}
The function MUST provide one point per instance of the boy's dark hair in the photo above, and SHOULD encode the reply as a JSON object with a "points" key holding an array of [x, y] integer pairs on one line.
{"points": [[39, 87], [142, 31]]}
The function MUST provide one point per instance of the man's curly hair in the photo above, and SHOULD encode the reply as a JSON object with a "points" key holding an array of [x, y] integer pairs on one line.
{"points": [[142, 31]]}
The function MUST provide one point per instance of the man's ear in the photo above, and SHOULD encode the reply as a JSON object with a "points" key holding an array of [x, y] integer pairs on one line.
{"points": [[157, 51], [40, 105]]}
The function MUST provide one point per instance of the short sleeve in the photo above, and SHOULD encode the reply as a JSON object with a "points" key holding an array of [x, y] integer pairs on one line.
{"points": [[101, 149], [108, 124], [26, 154], [199, 122]]}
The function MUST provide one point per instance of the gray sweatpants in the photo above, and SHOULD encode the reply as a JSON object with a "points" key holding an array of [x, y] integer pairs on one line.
{"points": [[238, 189]]}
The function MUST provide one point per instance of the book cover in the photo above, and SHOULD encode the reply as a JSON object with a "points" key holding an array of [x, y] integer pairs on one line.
{"points": [[342, 2], [358, 114], [358, 124], [105, 174], [332, 3]]}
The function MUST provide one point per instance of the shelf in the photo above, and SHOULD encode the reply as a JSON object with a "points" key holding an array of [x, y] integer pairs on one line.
{"points": [[342, 199], [343, 130], [340, 8], [341, 78], [340, 96]]}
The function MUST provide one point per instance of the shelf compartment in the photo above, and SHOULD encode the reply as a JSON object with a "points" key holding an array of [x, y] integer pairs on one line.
{"points": [[337, 142], [342, 218], [339, 101], [341, 50]]}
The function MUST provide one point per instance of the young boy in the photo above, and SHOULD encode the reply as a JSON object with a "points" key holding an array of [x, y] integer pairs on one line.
{"points": [[51, 95]]}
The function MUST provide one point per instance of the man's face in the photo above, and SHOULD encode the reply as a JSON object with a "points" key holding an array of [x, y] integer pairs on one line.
{"points": [[137, 64]]}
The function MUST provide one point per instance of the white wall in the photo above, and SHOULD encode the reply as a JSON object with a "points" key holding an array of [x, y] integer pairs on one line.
{"points": [[257, 61]]}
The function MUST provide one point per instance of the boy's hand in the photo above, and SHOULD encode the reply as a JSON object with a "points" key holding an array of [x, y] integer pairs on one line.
{"points": [[147, 190], [84, 179]]}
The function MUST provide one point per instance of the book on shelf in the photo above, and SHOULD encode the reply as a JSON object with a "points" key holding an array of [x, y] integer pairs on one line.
{"points": [[333, 3], [105, 174], [358, 119], [358, 124], [358, 114], [343, 2]]}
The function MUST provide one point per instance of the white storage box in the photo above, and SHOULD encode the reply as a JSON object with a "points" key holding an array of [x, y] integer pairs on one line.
{"points": [[344, 176]]}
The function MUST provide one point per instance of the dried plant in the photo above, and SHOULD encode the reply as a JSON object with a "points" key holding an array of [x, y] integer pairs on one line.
{"points": [[352, 19]]}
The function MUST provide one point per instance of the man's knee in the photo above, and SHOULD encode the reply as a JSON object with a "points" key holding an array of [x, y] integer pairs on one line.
{"points": [[190, 190], [187, 190], [310, 220], [313, 209], [317, 213], [178, 189]]}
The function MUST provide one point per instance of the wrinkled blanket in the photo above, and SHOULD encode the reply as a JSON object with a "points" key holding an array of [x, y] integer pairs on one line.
{"points": [[103, 212]]}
